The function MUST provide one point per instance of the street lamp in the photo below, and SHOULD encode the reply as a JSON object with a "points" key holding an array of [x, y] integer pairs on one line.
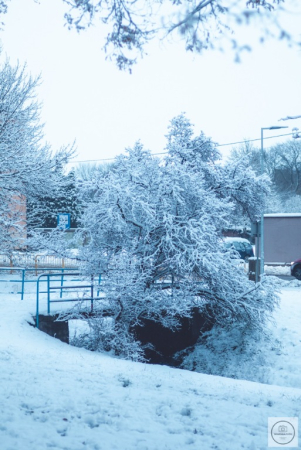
{"points": [[262, 216]]}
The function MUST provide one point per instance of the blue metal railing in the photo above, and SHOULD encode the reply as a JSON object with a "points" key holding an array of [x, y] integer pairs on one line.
{"points": [[24, 270], [63, 288]]}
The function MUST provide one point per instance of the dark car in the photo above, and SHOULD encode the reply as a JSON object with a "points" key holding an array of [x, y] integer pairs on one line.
{"points": [[296, 269], [242, 246]]}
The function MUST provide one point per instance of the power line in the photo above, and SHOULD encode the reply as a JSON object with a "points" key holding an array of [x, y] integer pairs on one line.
{"points": [[253, 140], [164, 153]]}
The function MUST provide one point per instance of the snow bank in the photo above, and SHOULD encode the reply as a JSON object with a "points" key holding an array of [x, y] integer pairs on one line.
{"points": [[54, 396]]}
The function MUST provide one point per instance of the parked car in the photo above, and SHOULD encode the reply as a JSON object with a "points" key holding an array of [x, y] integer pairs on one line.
{"points": [[241, 245], [296, 269]]}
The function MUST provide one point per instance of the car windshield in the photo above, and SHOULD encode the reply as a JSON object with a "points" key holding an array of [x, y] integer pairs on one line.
{"points": [[243, 247]]}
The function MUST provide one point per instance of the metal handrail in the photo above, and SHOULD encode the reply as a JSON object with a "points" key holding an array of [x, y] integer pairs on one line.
{"points": [[62, 287], [23, 270]]}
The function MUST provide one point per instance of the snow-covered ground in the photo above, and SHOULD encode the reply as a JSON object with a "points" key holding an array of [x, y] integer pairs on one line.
{"points": [[55, 396], [277, 270]]}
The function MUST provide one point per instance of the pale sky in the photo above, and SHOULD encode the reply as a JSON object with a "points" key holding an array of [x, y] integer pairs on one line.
{"points": [[88, 99]]}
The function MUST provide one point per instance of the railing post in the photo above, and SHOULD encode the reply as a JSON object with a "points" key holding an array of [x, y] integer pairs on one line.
{"points": [[23, 283], [92, 292], [37, 307], [62, 283], [48, 294]]}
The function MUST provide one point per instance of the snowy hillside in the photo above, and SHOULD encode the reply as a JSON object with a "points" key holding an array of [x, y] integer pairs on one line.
{"points": [[54, 396]]}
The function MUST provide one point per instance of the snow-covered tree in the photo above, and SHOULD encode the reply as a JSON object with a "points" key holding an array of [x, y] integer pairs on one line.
{"points": [[282, 164], [63, 198], [87, 171], [154, 230], [26, 162]]}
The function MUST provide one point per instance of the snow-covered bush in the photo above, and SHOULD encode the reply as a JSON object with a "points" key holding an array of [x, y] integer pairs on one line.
{"points": [[234, 352], [104, 337], [153, 229]]}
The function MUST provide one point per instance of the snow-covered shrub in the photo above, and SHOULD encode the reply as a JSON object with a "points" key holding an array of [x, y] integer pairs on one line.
{"points": [[153, 229], [103, 337], [235, 352]]}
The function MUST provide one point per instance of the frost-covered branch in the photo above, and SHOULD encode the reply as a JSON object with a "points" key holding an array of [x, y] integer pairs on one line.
{"points": [[132, 24]]}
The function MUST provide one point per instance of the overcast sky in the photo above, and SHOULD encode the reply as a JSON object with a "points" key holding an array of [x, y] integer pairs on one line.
{"points": [[88, 99]]}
